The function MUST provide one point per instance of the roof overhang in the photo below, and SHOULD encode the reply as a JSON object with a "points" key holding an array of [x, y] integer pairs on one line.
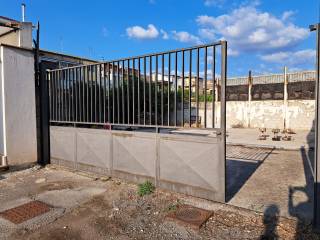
{"points": [[8, 25]]}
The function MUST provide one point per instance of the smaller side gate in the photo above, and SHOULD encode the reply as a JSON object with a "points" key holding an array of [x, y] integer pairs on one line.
{"points": [[157, 117]]}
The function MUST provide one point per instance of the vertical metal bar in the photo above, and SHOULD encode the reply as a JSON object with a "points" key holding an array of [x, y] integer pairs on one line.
{"points": [[60, 96], [213, 84], [162, 88], [128, 91], [86, 84], [53, 94], [122, 91], [197, 86], [66, 94], [71, 81], [104, 92], [205, 85], [80, 96], [118, 92], [49, 81], [156, 94], [139, 74], [223, 104], [83, 97], [76, 75], [144, 89], [169, 90], [66, 80], [70, 93], [182, 91], [190, 86], [133, 92], [95, 81], [63, 96], [99, 92], [91, 93], [150, 88], [109, 81], [175, 88], [113, 91]]}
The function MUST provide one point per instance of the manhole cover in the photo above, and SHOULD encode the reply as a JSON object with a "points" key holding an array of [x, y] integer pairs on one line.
{"points": [[189, 215], [25, 212]]}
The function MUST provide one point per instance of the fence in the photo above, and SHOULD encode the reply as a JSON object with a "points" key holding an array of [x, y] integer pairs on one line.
{"points": [[148, 90], [160, 91]]}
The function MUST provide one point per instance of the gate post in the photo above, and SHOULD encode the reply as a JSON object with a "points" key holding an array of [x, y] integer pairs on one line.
{"points": [[223, 108], [316, 171], [44, 117]]}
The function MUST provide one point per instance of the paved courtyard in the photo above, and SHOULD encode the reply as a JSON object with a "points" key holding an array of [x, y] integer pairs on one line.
{"points": [[86, 207], [269, 194]]}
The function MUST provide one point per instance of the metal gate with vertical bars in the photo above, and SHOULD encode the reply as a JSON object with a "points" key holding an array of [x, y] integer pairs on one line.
{"points": [[157, 117]]}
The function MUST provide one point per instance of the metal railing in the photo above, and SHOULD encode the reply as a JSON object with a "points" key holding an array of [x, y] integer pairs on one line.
{"points": [[302, 76], [161, 89]]}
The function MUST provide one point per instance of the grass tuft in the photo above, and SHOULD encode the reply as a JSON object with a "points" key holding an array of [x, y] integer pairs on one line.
{"points": [[145, 188]]}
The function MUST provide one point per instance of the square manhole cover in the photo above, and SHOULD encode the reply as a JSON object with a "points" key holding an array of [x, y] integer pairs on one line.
{"points": [[190, 216], [25, 212]]}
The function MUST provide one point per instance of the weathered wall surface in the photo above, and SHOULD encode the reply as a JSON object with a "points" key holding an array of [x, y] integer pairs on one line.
{"points": [[299, 114], [18, 104], [186, 163]]}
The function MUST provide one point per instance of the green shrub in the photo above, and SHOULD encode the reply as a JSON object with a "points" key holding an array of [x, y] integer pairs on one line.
{"points": [[145, 188]]}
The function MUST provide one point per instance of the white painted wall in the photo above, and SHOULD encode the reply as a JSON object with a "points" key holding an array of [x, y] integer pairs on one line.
{"points": [[299, 114], [270, 114], [18, 117]]}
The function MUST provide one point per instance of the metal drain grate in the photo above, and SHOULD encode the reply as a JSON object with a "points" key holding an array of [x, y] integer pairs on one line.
{"points": [[25, 212], [191, 216]]}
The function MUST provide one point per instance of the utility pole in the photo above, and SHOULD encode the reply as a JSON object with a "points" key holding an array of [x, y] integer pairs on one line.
{"points": [[316, 172]]}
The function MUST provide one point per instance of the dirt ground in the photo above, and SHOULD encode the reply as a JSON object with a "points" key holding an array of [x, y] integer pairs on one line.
{"points": [[102, 208]]}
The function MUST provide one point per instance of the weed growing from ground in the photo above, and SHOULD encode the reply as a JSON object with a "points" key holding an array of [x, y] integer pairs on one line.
{"points": [[145, 188]]}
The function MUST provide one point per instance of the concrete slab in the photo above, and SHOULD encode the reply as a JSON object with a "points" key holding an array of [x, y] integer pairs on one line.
{"points": [[283, 179], [62, 190], [249, 136]]}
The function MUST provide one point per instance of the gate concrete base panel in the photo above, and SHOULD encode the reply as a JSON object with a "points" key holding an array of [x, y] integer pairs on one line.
{"points": [[185, 163]]}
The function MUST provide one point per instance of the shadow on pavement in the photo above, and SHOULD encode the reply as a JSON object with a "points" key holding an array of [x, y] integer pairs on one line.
{"points": [[242, 162]]}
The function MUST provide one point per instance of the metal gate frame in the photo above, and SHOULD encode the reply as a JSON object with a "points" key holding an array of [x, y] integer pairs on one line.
{"points": [[64, 108]]}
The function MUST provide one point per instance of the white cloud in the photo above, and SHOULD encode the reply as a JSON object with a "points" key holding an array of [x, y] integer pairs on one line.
{"points": [[287, 15], [249, 30], [291, 58], [165, 35], [217, 3], [207, 33], [185, 37], [142, 33]]}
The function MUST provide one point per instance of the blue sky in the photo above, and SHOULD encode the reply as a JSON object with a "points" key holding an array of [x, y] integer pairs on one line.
{"points": [[263, 35]]}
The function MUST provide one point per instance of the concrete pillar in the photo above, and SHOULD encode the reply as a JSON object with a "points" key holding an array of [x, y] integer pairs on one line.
{"points": [[250, 82], [285, 98]]}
